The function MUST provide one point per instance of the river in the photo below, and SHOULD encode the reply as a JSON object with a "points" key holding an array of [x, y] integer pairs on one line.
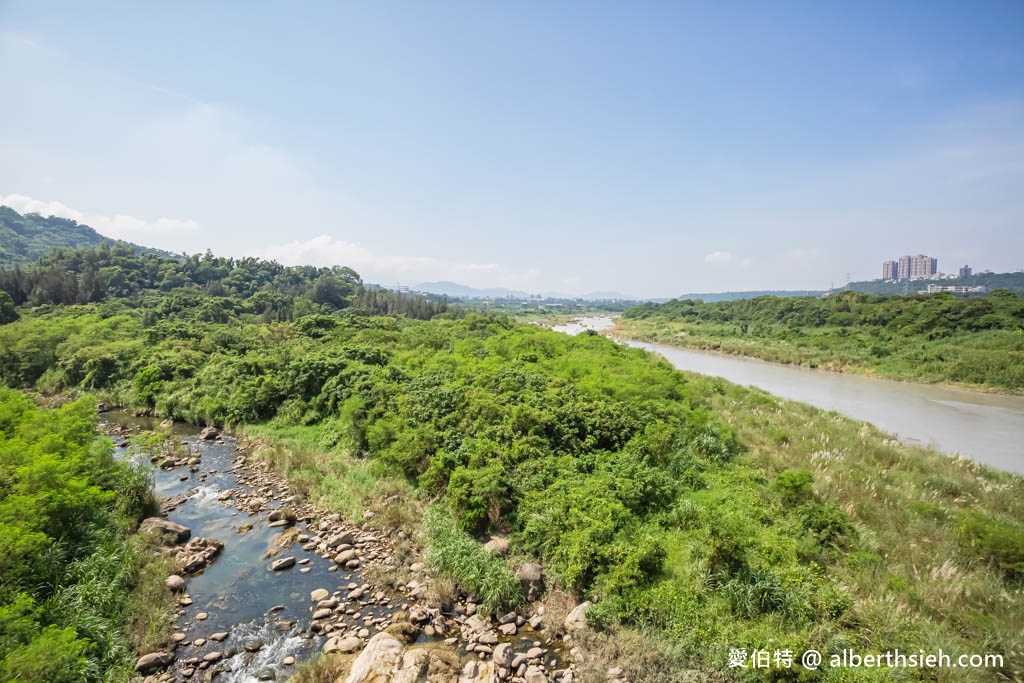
{"points": [[240, 622], [988, 428], [237, 592]]}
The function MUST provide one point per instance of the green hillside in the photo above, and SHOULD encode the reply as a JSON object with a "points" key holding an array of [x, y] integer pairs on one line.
{"points": [[990, 281], [25, 238]]}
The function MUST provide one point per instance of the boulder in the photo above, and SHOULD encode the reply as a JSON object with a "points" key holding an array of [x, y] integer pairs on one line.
{"points": [[531, 576], [427, 664], [377, 660], [344, 538], [319, 594], [154, 661], [209, 434], [534, 674], [175, 583], [503, 656], [344, 556], [497, 546], [478, 672], [342, 645], [281, 514], [282, 564], [577, 618]]}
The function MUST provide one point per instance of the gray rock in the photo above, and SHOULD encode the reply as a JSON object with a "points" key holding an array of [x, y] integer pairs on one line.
{"points": [[503, 655], [162, 526], [342, 645], [344, 556], [344, 538], [175, 583], [209, 434], [498, 545], [282, 564], [534, 674], [531, 576], [577, 618], [153, 662]]}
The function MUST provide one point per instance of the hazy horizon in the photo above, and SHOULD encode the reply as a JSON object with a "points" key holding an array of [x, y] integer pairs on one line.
{"points": [[650, 149]]}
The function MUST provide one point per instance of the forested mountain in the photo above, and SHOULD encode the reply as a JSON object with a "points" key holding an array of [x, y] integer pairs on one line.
{"points": [[206, 285], [25, 238]]}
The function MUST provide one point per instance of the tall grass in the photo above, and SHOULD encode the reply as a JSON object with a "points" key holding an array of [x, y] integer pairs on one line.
{"points": [[455, 555]]}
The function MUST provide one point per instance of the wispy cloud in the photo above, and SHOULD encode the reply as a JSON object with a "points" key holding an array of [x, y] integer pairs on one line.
{"points": [[718, 257], [325, 250], [119, 226]]}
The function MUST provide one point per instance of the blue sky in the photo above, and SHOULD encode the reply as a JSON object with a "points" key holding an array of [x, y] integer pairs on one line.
{"points": [[648, 148]]}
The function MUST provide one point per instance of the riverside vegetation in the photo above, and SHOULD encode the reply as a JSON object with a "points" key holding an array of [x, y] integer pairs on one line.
{"points": [[696, 516], [976, 342], [76, 594]]}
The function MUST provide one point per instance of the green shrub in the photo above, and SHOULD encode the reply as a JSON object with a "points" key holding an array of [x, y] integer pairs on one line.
{"points": [[794, 486], [995, 540]]}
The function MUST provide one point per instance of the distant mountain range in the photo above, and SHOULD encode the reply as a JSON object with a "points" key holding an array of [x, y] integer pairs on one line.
{"points": [[454, 289], [708, 297], [25, 238]]}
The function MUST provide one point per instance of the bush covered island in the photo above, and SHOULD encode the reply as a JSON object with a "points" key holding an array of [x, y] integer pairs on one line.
{"points": [[696, 515]]}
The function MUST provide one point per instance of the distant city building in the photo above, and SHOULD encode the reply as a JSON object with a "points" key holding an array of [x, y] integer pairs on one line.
{"points": [[922, 266], [955, 289], [965, 271], [908, 267], [903, 271]]}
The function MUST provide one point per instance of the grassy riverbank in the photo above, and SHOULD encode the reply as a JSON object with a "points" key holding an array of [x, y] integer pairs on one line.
{"points": [[974, 343]]}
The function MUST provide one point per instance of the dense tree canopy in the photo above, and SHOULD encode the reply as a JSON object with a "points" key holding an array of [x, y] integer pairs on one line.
{"points": [[222, 286]]}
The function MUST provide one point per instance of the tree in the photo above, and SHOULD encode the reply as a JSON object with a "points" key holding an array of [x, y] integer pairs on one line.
{"points": [[8, 312]]}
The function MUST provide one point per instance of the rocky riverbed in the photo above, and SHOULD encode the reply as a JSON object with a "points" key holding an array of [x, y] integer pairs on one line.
{"points": [[264, 580]]}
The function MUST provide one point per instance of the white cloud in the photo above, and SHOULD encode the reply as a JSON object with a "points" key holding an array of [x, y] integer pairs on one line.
{"points": [[718, 257], [117, 226], [386, 269]]}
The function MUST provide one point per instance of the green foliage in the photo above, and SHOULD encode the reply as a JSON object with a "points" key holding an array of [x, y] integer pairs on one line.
{"points": [[25, 238], [66, 570], [932, 338], [794, 486], [455, 555], [645, 487], [8, 312], [998, 541], [198, 287]]}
